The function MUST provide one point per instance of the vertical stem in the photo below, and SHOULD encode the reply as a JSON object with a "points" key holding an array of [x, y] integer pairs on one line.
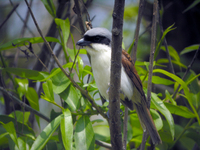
{"points": [[125, 128], [115, 82], [153, 47], [140, 12]]}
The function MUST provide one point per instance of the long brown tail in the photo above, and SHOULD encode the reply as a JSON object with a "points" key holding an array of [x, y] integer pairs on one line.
{"points": [[147, 122]]}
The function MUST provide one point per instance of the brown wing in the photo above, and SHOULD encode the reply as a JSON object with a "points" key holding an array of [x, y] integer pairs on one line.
{"points": [[132, 72]]}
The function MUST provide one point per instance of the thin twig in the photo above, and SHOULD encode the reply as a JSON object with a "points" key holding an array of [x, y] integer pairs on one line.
{"points": [[25, 105], [115, 82], [74, 62], [134, 50], [103, 144], [125, 125], [187, 71], [63, 70], [8, 16], [153, 47], [79, 15]]}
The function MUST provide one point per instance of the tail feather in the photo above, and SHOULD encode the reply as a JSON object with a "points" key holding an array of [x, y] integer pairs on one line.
{"points": [[147, 122]]}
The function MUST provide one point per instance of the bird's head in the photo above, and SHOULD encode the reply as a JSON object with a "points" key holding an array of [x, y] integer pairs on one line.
{"points": [[96, 40]]}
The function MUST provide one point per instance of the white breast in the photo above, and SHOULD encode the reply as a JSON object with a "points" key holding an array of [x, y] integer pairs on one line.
{"points": [[101, 62]]}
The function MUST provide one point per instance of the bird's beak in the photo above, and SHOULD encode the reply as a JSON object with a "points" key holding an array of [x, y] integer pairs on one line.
{"points": [[82, 42]]}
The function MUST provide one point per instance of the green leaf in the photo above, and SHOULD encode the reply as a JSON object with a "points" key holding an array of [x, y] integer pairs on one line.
{"points": [[48, 90], [159, 80], [172, 52], [192, 5], [21, 116], [20, 127], [189, 49], [70, 97], [10, 128], [33, 100], [65, 27], [179, 110], [169, 97], [183, 85], [55, 71], [80, 66], [23, 145], [66, 128], [161, 40], [26, 73], [49, 5], [157, 119], [25, 41], [158, 104], [46, 134], [84, 134], [102, 132], [23, 86], [86, 70], [60, 82]]}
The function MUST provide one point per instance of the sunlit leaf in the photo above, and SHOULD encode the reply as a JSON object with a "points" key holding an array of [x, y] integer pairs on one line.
{"points": [[70, 96], [33, 99], [158, 104], [161, 40], [184, 86], [48, 90], [159, 80], [21, 116], [66, 127], [84, 134], [25, 41], [60, 82], [46, 134], [189, 49], [179, 110], [157, 119]]}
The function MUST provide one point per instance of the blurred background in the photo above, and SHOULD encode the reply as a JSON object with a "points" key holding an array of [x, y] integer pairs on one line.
{"points": [[20, 24]]}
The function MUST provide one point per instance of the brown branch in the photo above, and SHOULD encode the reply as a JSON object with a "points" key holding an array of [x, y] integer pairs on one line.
{"points": [[153, 47], [8, 16], [140, 12], [114, 93], [83, 92], [103, 144], [187, 71], [77, 10]]}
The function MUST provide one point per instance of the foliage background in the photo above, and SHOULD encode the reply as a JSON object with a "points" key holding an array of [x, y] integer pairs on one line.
{"points": [[75, 124]]}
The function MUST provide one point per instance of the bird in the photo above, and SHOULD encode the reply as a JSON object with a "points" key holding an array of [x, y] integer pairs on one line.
{"points": [[97, 42]]}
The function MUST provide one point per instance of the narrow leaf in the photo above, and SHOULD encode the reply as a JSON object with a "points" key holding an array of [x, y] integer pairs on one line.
{"points": [[50, 7], [48, 90], [25, 41], [66, 127], [46, 134], [189, 49], [158, 104], [192, 5], [26, 73], [184, 86]]}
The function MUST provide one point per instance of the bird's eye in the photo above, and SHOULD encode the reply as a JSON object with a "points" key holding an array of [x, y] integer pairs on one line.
{"points": [[96, 38]]}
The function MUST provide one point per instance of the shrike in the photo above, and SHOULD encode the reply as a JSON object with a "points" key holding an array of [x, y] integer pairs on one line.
{"points": [[97, 42]]}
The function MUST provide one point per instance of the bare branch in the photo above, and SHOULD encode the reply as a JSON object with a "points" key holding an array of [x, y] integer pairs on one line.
{"points": [[77, 10], [134, 50], [114, 93], [25, 105], [8, 16], [153, 47]]}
